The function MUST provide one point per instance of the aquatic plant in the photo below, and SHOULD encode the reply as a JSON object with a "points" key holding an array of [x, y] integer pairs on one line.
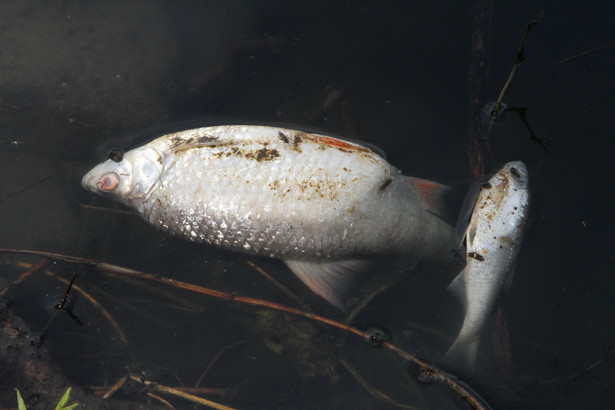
{"points": [[21, 405]]}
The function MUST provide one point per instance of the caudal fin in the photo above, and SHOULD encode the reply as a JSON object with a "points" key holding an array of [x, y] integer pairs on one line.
{"points": [[462, 353]]}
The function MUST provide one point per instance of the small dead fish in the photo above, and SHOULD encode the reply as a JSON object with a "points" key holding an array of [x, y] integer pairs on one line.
{"points": [[321, 204], [493, 239]]}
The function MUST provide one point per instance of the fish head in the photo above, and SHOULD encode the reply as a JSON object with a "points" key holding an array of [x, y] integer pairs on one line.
{"points": [[129, 180], [515, 173]]}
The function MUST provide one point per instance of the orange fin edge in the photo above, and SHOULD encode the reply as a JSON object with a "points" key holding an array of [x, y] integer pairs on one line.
{"points": [[433, 194], [331, 280]]}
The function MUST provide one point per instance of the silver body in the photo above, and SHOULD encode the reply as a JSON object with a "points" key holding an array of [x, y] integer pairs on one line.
{"points": [[493, 239], [276, 192]]}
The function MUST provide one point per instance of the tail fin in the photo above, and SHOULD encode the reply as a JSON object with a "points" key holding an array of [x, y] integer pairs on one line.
{"points": [[462, 353], [464, 350]]}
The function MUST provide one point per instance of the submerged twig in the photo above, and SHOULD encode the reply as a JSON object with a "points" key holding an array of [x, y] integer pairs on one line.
{"points": [[603, 358], [481, 125], [278, 285], [587, 369], [178, 393], [86, 295], [465, 393], [118, 385], [160, 399], [97, 305], [30, 270], [101, 208], [371, 389], [212, 361], [522, 111], [60, 306], [24, 189], [69, 285], [583, 54], [520, 57]]}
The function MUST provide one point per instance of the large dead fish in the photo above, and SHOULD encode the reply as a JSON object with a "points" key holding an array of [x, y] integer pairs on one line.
{"points": [[493, 239], [317, 202]]}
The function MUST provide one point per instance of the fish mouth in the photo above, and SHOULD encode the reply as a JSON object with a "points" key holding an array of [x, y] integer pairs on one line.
{"points": [[90, 180], [85, 181]]}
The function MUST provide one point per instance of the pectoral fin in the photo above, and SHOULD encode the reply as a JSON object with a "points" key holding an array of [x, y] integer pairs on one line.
{"points": [[331, 280]]}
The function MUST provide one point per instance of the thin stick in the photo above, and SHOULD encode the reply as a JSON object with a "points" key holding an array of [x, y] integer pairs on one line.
{"points": [[60, 305], [160, 399], [371, 389], [96, 304], [176, 392], [212, 361], [222, 392], [30, 270], [32, 185], [69, 285], [401, 273], [498, 105], [206, 390], [280, 286], [85, 294], [603, 358], [118, 385], [583, 54], [100, 208], [464, 392], [522, 112]]}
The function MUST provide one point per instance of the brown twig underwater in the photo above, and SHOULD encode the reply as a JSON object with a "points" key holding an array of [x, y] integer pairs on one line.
{"points": [[118, 385], [480, 125], [280, 286], [160, 399], [85, 294], [179, 393], [61, 305], [24, 189], [30, 270], [470, 397], [371, 389], [497, 110], [212, 361]]}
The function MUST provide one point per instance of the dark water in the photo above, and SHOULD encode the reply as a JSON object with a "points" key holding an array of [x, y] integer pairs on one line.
{"points": [[78, 78]]}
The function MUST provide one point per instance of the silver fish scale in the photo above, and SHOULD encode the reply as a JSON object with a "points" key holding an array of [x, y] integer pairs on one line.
{"points": [[226, 196], [275, 192]]}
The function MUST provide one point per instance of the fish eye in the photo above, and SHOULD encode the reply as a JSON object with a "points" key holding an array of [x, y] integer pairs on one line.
{"points": [[515, 172], [108, 182]]}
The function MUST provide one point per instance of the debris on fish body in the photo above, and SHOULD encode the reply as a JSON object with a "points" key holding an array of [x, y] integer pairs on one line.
{"points": [[320, 203], [493, 239]]}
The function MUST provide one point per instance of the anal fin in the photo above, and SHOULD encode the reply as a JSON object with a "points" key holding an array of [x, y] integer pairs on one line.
{"points": [[332, 280]]}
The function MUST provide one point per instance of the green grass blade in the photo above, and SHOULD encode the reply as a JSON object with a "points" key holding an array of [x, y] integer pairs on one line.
{"points": [[21, 405]]}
